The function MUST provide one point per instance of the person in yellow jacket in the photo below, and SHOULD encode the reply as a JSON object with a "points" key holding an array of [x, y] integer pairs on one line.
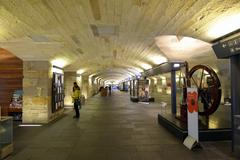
{"points": [[76, 95]]}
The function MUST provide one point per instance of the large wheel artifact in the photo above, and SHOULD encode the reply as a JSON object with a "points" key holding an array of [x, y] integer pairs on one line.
{"points": [[209, 91]]}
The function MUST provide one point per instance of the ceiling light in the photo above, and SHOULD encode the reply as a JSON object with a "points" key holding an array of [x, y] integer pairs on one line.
{"points": [[224, 25], [176, 65]]}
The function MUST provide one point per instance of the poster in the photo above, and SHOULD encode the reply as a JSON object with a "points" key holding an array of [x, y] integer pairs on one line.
{"points": [[192, 101]]}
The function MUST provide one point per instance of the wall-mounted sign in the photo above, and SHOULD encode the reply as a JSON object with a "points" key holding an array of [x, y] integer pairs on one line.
{"points": [[227, 48]]}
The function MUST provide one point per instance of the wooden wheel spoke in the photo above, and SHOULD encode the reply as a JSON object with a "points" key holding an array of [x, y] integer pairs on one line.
{"points": [[200, 85], [195, 82], [204, 98]]}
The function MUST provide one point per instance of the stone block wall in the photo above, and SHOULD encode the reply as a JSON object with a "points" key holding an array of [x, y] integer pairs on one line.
{"points": [[69, 78], [37, 89]]}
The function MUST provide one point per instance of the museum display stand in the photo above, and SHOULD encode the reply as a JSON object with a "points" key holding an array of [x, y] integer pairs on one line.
{"points": [[6, 136], [208, 131]]}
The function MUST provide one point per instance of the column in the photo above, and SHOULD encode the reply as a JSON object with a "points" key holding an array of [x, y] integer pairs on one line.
{"points": [[173, 92], [37, 92], [69, 79]]}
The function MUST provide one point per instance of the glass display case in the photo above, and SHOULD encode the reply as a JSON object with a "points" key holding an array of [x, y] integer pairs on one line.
{"points": [[6, 136], [139, 89], [15, 107]]}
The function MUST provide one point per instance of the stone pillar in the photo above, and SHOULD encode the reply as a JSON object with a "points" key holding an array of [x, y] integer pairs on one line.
{"points": [[85, 86], [69, 78], [37, 92], [92, 86]]}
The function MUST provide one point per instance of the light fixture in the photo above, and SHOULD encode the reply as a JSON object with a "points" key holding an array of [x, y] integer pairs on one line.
{"points": [[176, 65], [224, 25], [29, 125]]}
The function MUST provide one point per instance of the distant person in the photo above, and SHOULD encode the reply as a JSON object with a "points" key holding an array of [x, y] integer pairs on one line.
{"points": [[110, 89], [76, 95]]}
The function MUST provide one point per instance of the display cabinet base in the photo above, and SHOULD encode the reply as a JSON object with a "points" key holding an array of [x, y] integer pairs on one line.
{"points": [[134, 99], [6, 150], [179, 129]]}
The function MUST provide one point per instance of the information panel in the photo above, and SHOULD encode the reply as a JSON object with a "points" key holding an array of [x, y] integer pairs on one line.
{"points": [[227, 48], [192, 101]]}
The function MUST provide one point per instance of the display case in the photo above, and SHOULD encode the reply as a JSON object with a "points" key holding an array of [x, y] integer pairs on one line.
{"points": [[134, 90], [57, 92], [139, 89], [131, 88], [124, 86], [6, 136], [15, 107]]}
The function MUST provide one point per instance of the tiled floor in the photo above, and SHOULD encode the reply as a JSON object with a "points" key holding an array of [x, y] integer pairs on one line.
{"points": [[110, 128]]}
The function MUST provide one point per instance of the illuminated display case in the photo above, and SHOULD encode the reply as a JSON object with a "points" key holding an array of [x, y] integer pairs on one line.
{"points": [[139, 90], [6, 136], [57, 92]]}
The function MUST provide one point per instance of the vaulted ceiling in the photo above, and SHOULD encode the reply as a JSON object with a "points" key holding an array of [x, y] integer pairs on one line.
{"points": [[113, 39]]}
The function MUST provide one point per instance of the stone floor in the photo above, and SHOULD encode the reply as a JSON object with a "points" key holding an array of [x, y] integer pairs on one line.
{"points": [[110, 128]]}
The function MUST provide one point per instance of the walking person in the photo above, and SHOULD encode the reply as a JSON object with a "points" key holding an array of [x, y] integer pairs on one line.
{"points": [[76, 95], [110, 89]]}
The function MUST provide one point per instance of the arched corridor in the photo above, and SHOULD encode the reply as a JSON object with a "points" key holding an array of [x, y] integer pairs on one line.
{"points": [[180, 56], [110, 128]]}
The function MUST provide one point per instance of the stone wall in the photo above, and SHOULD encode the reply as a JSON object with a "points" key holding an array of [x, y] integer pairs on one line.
{"points": [[69, 78], [37, 89]]}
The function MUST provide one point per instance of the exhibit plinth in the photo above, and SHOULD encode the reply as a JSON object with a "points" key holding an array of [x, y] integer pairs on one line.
{"points": [[216, 127]]}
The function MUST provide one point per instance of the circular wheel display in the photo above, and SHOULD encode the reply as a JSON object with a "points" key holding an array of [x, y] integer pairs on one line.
{"points": [[205, 79]]}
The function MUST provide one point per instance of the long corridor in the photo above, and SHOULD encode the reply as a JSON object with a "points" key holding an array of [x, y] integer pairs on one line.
{"points": [[109, 128]]}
